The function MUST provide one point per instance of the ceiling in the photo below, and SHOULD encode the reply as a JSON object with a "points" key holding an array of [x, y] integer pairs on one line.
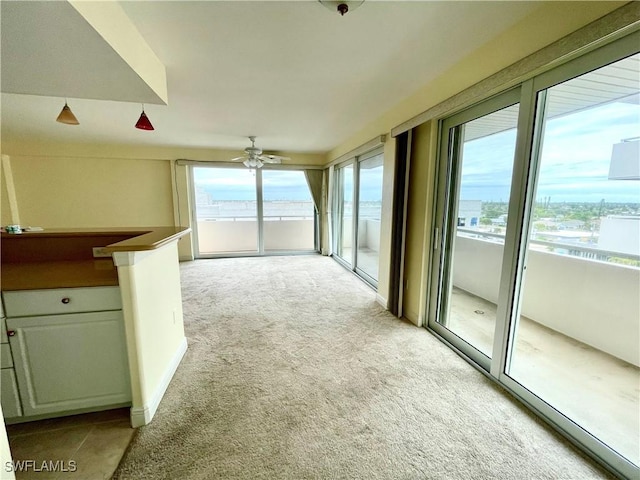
{"points": [[616, 82], [298, 76]]}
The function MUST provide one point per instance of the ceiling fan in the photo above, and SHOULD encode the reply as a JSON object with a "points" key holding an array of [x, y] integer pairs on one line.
{"points": [[254, 158]]}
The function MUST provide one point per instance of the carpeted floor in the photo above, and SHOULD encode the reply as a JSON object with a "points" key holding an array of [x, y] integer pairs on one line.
{"points": [[294, 372]]}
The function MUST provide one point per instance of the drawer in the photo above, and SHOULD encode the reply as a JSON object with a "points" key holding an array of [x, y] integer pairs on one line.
{"points": [[24, 303], [6, 360], [3, 331]]}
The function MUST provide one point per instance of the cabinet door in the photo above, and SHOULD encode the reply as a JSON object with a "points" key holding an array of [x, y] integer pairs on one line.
{"points": [[9, 394], [69, 362]]}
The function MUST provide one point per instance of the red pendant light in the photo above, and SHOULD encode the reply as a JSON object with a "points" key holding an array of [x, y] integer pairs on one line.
{"points": [[143, 122]]}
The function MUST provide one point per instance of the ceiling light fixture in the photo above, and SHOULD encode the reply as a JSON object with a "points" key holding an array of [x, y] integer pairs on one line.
{"points": [[143, 122], [341, 7], [254, 157], [66, 116], [253, 163]]}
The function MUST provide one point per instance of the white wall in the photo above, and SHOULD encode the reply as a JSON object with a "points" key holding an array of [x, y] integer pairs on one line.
{"points": [[596, 303], [239, 236], [369, 234], [620, 233]]}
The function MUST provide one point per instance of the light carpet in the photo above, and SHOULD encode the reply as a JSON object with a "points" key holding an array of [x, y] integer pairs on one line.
{"points": [[295, 372]]}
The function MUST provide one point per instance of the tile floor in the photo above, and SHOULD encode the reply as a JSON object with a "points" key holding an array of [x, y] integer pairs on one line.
{"points": [[94, 441]]}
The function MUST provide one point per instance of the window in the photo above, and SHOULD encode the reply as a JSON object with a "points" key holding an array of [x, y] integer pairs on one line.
{"points": [[358, 183], [239, 211], [538, 216]]}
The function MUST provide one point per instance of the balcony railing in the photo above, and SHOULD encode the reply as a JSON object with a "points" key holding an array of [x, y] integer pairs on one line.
{"points": [[592, 301], [240, 234]]}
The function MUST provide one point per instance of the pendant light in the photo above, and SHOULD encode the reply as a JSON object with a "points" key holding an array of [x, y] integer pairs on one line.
{"points": [[67, 116], [143, 122]]}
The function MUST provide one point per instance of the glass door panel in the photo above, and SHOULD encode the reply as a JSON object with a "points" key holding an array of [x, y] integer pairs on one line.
{"points": [[288, 211], [369, 212], [576, 342], [482, 156], [344, 234], [226, 210]]}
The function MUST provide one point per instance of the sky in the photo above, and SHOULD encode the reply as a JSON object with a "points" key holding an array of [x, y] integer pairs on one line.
{"points": [[575, 158]]}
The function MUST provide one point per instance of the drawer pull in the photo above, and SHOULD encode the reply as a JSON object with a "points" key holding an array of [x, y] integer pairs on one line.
{"points": [[66, 300], [11, 333]]}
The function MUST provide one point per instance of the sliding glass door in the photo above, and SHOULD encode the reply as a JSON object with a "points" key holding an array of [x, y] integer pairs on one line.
{"points": [[576, 338], [344, 213], [481, 143], [537, 234], [288, 211], [369, 213], [240, 211], [357, 214], [226, 210]]}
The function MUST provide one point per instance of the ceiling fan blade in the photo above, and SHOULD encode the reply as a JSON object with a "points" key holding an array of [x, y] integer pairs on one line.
{"points": [[237, 159], [273, 158]]}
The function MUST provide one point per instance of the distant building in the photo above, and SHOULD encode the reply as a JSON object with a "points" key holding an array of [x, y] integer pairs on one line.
{"points": [[469, 212], [571, 225], [620, 233]]}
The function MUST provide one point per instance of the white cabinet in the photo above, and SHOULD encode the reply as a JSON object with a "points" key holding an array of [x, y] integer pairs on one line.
{"points": [[66, 362], [9, 394], [69, 362], [24, 303], [9, 397]]}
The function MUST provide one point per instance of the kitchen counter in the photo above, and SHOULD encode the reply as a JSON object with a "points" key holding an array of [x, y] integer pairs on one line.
{"points": [[138, 267], [64, 274], [63, 258]]}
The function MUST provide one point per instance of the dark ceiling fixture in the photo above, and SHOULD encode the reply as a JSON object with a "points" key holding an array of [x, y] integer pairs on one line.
{"points": [[143, 122], [341, 7], [67, 116]]}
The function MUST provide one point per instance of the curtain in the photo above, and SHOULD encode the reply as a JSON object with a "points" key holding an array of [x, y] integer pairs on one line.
{"points": [[314, 180]]}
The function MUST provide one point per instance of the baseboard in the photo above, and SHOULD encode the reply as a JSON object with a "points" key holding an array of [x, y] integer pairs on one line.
{"points": [[144, 414], [185, 258], [382, 301]]}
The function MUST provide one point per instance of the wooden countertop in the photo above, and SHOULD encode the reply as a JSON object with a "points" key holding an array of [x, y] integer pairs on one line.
{"points": [[64, 258], [146, 238], [149, 239], [66, 274]]}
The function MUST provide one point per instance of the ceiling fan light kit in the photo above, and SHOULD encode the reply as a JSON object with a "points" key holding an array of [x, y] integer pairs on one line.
{"points": [[341, 7], [253, 163], [254, 158]]}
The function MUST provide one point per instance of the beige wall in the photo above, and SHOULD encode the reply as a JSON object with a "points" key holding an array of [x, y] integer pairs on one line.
{"points": [[5, 210], [79, 192], [153, 316], [419, 218]]}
